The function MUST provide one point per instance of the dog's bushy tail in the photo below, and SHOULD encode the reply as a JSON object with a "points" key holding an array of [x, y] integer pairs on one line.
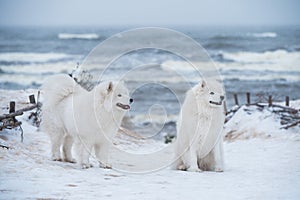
{"points": [[56, 88]]}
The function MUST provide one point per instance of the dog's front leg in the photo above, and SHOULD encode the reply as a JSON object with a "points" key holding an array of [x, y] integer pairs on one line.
{"points": [[218, 154], [102, 154], [193, 159], [83, 150]]}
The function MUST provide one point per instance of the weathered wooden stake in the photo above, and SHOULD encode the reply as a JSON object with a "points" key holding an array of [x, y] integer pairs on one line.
{"points": [[12, 106], [270, 100], [225, 108], [38, 96], [248, 98], [287, 101], [236, 101], [32, 99]]}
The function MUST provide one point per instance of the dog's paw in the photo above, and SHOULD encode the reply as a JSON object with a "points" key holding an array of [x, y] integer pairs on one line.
{"points": [[219, 169], [105, 165], [194, 169], [70, 160], [86, 165], [57, 159], [181, 167]]}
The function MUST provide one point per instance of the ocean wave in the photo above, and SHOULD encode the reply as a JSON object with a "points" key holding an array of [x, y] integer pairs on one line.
{"points": [[84, 36], [20, 81], [38, 69], [27, 58], [264, 35], [215, 45], [226, 37], [240, 76], [282, 57]]}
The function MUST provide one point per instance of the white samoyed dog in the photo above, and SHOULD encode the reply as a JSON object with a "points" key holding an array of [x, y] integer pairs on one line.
{"points": [[89, 119], [199, 143]]}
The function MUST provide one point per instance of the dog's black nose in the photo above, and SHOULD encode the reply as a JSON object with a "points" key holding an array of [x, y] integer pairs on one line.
{"points": [[222, 97], [130, 100]]}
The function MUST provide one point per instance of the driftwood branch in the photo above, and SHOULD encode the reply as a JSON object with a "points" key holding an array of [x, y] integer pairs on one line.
{"points": [[287, 109], [30, 107], [11, 115], [284, 108], [9, 123], [231, 112], [3, 146], [291, 125]]}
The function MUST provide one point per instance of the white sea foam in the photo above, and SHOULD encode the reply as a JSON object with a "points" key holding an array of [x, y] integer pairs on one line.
{"points": [[187, 69], [276, 62], [287, 60], [281, 65], [33, 57], [33, 73], [85, 36], [279, 60], [39, 69], [264, 77], [21, 79], [264, 35]]}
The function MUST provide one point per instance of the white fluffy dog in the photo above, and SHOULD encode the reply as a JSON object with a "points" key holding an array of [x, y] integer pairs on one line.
{"points": [[70, 113], [199, 144]]}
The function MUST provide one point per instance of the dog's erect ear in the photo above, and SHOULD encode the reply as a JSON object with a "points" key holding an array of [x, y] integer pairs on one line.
{"points": [[203, 84], [110, 87]]}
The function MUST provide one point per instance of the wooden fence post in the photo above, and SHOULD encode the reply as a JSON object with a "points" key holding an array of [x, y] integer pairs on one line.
{"points": [[38, 96], [248, 98], [287, 101], [236, 101], [225, 108], [270, 100], [12, 106], [32, 99]]}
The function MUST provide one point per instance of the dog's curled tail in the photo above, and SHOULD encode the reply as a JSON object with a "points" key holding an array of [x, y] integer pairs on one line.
{"points": [[56, 88]]}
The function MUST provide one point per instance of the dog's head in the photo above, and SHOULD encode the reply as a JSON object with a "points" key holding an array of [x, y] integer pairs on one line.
{"points": [[213, 93], [115, 96]]}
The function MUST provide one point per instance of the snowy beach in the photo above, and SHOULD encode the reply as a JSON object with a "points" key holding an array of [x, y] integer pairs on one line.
{"points": [[257, 166], [149, 100], [262, 158]]}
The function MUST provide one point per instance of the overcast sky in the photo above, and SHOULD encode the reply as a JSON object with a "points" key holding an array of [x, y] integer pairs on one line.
{"points": [[149, 12]]}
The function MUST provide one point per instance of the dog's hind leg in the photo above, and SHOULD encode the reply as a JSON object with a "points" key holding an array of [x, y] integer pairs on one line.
{"points": [[67, 149], [56, 142]]}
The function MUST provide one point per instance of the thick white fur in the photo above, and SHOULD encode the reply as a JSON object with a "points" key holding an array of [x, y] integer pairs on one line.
{"points": [[71, 113], [199, 144]]}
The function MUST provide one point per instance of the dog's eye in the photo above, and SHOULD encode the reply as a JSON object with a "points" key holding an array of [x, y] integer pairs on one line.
{"points": [[212, 93], [119, 95]]}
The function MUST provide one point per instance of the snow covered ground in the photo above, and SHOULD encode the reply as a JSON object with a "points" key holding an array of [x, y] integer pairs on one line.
{"points": [[257, 167]]}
